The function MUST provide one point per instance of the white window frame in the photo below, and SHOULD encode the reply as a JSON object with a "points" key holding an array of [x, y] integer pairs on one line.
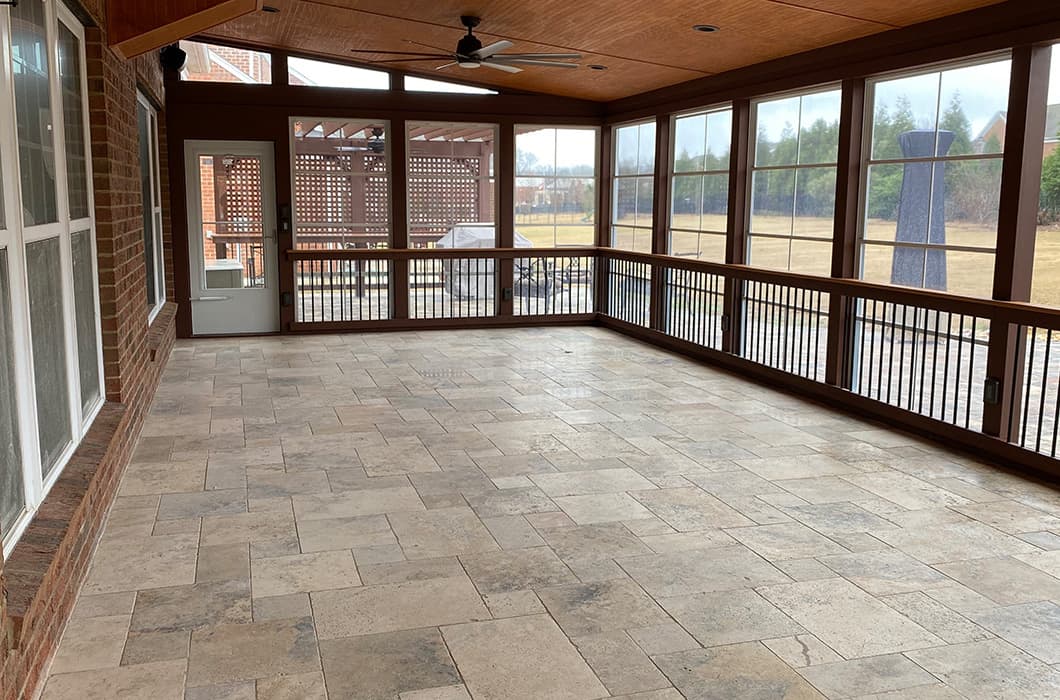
{"points": [[14, 239], [673, 174], [554, 179], [867, 160], [635, 177], [752, 153], [159, 281]]}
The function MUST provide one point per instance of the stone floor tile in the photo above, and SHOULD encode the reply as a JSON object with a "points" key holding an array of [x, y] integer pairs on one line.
{"points": [[505, 502], [515, 570], [148, 647], [1010, 516], [687, 509], [664, 638], [104, 605], [129, 564], [194, 505], [282, 607], [838, 518], [297, 686], [447, 692], [685, 573], [847, 619], [950, 542], [163, 680], [244, 652], [581, 483], [747, 671], [302, 573], [1004, 580], [785, 541], [729, 617], [619, 663], [602, 508], [396, 606], [513, 532], [243, 690], [804, 569], [344, 533], [349, 504], [1033, 627], [682, 541], [464, 481], [513, 604], [191, 607], [416, 570], [884, 572], [937, 691], [441, 533], [278, 484], [520, 657], [582, 609], [802, 650], [143, 479], [824, 489], [253, 528], [795, 467], [905, 490], [936, 617], [91, 643], [878, 674], [990, 670], [399, 661]]}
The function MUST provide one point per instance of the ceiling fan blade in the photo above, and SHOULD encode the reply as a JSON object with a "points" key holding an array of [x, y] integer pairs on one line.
{"points": [[495, 47], [569, 56], [412, 60], [394, 53], [429, 46], [447, 65], [532, 62], [501, 66]]}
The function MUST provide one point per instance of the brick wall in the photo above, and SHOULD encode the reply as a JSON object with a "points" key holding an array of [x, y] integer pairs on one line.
{"points": [[44, 572]]}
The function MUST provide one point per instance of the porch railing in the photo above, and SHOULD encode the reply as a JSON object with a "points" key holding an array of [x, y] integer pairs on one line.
{"points": [[920, 356]]}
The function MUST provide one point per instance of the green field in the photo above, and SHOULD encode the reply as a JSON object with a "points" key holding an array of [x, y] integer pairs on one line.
{"points": [[968, 273]]}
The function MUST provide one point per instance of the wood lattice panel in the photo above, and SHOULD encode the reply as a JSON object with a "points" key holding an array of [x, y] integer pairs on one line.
{"points": [[339, 196], [239, 203]]}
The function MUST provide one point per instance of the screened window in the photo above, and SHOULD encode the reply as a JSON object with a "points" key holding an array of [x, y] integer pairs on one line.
{"points": [[212, 63], [1045, 289], [415, 84], [933, 178], [451, 185], [73, 122], [793, 182], [12, 486], [31, 72], [304, 71], [699, 185], [341, 183], [634, 187], [555, 186], [150, 188]]}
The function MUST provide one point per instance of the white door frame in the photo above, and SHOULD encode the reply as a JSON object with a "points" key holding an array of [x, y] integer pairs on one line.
{"points": [[232, 311]]}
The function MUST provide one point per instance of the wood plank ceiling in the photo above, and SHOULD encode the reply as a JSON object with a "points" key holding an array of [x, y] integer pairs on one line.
{"points": [[645, 44]]}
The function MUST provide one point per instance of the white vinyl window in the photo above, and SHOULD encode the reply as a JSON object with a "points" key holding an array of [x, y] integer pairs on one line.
{"points": [[51, 372], [150, 186]]}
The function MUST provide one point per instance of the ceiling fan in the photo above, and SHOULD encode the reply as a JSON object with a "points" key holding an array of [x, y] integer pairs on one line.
{"points": [[471, 54]]}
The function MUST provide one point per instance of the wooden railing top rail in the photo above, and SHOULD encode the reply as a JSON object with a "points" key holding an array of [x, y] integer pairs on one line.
{"points": [[1003, 311], [436, 253]]}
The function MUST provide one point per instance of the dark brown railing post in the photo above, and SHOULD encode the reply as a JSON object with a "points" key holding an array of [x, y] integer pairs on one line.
{"points": [[660, 221], [505, 268], [1017, 221], [736, 226], [603, 219], [845, 230], [399, 219]]}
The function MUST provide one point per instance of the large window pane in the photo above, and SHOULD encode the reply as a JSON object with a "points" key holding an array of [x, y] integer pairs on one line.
{"points": [[33, 112], [451, 200], [555, 194], [634, 186], [143, 123], [44, 267], [12, 492], [1045, 289], [85, 313], [341, 184], [793, 182], [933, 182], [699, 184], [73, 121], [213, 63], [304, 71]]}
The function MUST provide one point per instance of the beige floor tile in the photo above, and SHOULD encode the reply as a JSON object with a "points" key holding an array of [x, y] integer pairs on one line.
{"points": [[441, 533], [504, 572], [520, 657], [91, 643], [688, 572], [620, 664], [584, 609], [748, 671], [163, 680], [303, 573], [729, 617], [400, 661], [245, 652], [350, 504], [136, 563]]}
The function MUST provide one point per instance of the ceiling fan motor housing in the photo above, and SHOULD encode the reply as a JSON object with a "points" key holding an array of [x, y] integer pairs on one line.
{"points": [[467, 46]]}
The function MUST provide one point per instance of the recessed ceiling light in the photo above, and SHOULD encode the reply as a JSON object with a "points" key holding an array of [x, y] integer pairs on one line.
{"points": [[270, 9], [705, 28], [596, 66]]}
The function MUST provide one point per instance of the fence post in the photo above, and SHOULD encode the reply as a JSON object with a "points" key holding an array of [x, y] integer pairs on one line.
{"points": [[660, 221], [1017, 222], [845, 230], [505, 268], [399, 219]]}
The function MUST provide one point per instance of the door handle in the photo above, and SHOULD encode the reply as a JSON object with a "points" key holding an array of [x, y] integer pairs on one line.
{"points": [[211, 298]]}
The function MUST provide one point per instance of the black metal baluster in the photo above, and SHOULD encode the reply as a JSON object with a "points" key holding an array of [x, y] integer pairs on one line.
{"points": [[957, 372]]}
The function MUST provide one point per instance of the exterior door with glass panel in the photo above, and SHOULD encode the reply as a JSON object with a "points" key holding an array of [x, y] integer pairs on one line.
{"points": [[232, 237]]}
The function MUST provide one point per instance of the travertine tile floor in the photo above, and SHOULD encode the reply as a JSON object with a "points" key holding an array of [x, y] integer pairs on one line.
{"points": [[548, 514]]}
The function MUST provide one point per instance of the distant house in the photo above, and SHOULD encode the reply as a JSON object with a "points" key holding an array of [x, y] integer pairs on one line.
{"points": [[995, 128]]}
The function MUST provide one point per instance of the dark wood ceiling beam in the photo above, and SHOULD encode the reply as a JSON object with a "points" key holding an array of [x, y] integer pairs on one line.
{"points": [[135, 27]]}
